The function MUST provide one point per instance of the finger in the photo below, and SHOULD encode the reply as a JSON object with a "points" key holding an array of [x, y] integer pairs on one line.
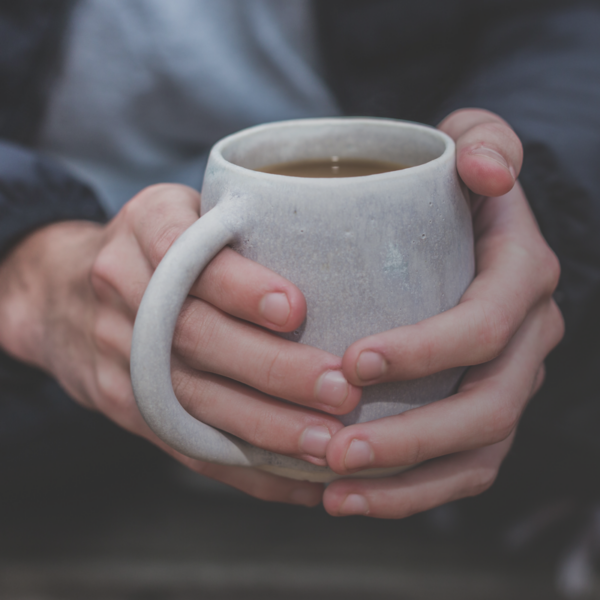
{"points": [[516, 271], [208, 340], [254, 417], [485, 410], [489, 154], [236, 285], [427, 486], [245, 289], [158, 215], [113, 394], [256, 483]]}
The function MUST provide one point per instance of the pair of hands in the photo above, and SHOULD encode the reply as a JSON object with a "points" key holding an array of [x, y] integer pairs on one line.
{"points": [[70, 292]]}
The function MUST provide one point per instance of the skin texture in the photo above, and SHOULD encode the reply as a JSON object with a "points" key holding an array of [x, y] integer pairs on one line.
{"points": [[69, 293]]}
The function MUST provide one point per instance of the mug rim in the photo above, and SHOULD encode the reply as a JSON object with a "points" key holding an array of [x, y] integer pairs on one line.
{"points": [[216, 154]]}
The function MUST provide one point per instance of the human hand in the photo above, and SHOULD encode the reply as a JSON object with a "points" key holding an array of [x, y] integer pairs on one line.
{"points": [[69, 293], [504, 326]]}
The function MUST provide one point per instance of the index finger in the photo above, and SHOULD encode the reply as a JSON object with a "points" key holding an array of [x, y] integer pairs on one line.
{"points": [[240, 287], [489, 154]]}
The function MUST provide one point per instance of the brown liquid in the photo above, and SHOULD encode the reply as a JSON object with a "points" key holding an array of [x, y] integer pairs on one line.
{"points": [[332, 167]]}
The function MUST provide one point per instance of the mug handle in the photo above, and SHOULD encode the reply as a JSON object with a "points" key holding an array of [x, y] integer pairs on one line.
{"points": [[151, 355]]}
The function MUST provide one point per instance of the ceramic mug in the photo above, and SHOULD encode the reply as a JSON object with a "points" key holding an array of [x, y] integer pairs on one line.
{"points": [[369, 254]]}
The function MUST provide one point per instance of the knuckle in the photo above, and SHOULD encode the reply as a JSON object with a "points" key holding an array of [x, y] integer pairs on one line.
{"points": [[116, 396], [162, 194], [162, 240], [101, 335], [482, 480], [550, 269], [163, 212], [504, 421], [407, 507], [196, 327], [557, 327], [494, 128], [192, 392], [260, 431], [427, 353], [103, 267], [415, 451], [273, 373], [411, 450], [495, 331]]}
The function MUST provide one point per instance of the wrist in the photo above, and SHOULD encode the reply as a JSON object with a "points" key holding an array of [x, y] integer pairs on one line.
{"points": [[36, 278]]}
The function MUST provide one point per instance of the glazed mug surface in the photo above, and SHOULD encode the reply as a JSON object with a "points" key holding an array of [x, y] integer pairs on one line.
{"points": [[369, 254]]}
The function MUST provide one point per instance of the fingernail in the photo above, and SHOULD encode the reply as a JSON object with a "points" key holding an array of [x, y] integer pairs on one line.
{"points": [[303, 496], [359, 455], [331, 388], [275, 308], [354, 504], [314, 441], [493, 155], [370, 365]]}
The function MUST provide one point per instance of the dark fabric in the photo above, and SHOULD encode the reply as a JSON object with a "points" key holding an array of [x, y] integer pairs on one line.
{"points": [[393, 59], [35, 191], [30, 35]]}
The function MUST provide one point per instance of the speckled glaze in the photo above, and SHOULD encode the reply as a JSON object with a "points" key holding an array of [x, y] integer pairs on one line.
{"points": [[369, 253]]}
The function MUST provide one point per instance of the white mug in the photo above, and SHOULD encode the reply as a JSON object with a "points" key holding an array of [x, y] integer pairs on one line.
{"points": [[369, 254]]}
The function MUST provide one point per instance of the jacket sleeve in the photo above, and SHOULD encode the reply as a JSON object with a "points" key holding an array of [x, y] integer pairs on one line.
{"points": [[540, 70], [34, 191]]}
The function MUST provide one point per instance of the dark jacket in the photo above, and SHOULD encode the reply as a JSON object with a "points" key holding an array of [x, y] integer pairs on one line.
{"points": [[534, 62]]}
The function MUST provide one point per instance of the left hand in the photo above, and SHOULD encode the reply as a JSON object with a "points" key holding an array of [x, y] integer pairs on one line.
{"points": [[504, 326]]}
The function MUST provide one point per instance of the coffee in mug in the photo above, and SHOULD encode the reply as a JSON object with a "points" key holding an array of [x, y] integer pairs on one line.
{"points": [[333, 166]]}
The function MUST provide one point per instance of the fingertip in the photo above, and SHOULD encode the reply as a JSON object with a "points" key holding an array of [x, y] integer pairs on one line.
{"points": [[297, 313], [275, 308], [365, 362], [485, 171], [332, 499], [337, 450], [344, 498], [282, 307], [334, 394], [350, 361]]}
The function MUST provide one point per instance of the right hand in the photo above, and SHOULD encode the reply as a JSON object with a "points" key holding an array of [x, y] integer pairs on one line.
{"points": [[69, 295]]}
